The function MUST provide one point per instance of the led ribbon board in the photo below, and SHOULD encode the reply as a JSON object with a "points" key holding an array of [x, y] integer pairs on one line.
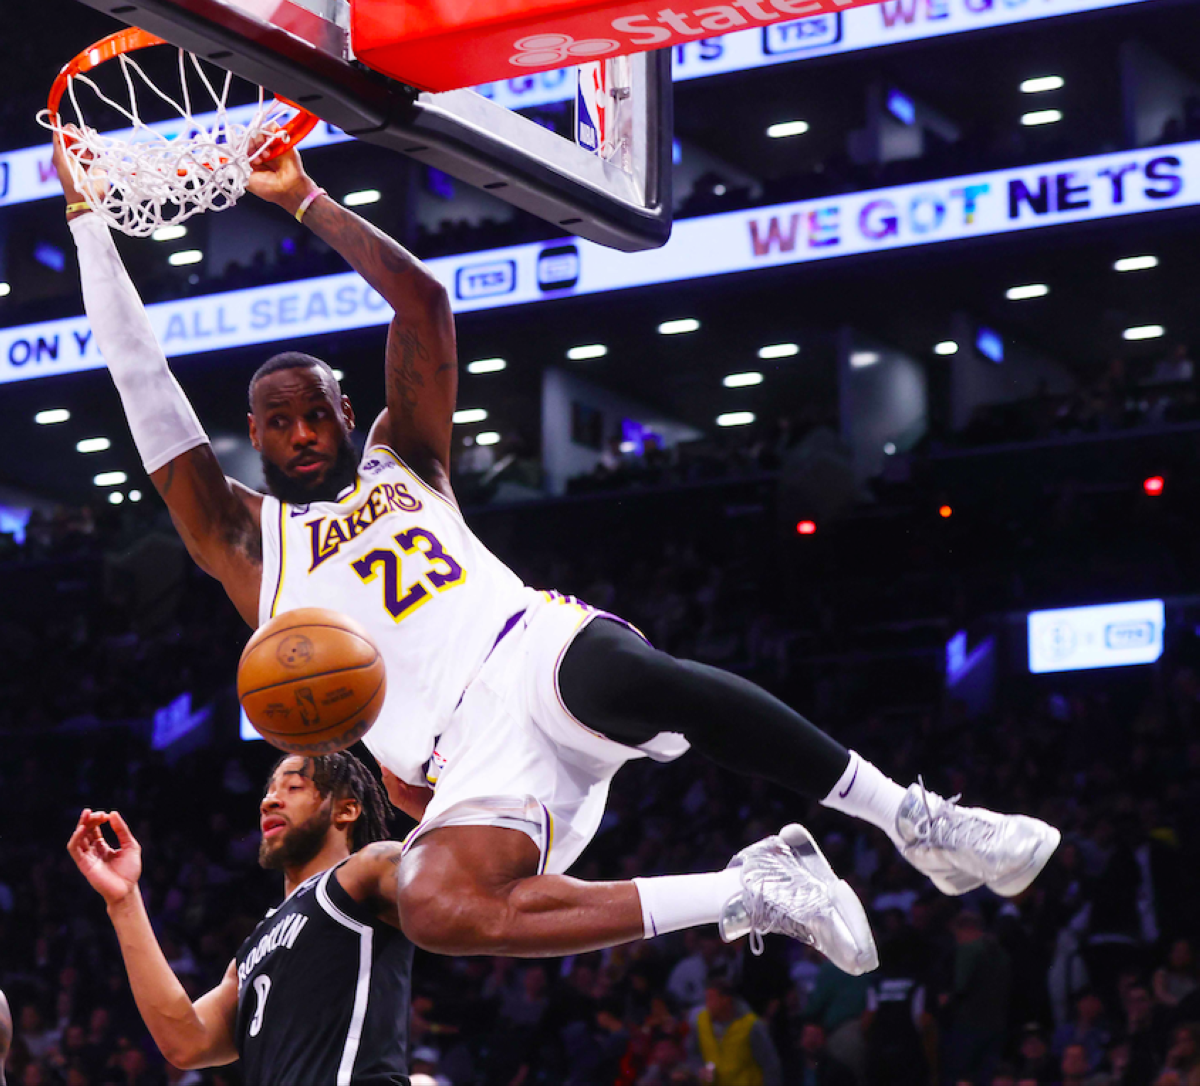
{"points": [[888, 23], [29, 175], [1083, 638], [1053, 194]]}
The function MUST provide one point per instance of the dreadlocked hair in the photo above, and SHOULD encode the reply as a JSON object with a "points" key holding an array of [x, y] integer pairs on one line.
{"points": [[342, 776]]}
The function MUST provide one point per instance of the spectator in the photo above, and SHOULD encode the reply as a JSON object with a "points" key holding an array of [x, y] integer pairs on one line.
{"points": [[729, 1044], [1035, 1061], [690, 974], [1142, 1036], [1182, 1065], [1086, 1029], [1075, 1071], [837, 1003], [816, 1066], [1175, 980], [896, 1023], [977, 1006]]}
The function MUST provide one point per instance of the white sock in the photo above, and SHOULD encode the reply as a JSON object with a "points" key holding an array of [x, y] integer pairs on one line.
{"points": [[674, 902], [864, 792]]}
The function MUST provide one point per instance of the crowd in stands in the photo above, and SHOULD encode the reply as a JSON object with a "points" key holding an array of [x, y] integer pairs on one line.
{"points": [[1161, 393], [1089, 979]]}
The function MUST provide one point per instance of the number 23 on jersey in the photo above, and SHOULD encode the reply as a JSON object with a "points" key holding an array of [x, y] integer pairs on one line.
{"points": [[442, 574]]}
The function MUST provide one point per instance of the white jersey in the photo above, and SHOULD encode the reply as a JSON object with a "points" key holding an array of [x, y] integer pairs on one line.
{"points": [[397, 557]]}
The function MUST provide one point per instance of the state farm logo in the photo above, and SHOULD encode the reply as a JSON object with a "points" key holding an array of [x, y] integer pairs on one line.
{"points": [[540, 50]]}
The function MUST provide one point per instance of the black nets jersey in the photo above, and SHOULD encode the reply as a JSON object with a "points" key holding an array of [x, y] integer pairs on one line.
{"points": [[323, 993]]}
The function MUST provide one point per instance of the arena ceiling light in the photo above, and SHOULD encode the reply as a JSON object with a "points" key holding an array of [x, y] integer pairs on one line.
{"points": [[184, 257], [946, 347], [362, 196], [736, 418], [115, 498], [488, 437], [1042, 83], [1028, 290], [469, 414], [787, 128], [93, 445], [861, 359], [110, 478], [5, 290], [51, 415], [779, 350], [1144, 331], [338, 375], [742, 380], [487, 365], [889, 448], [1135, 263], [170, 233], [678, 327], [588, 350], [135, 495], [1041, 116]]}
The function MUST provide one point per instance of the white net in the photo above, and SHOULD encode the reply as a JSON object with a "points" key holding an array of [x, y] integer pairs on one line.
{"points": [[143, 179]]}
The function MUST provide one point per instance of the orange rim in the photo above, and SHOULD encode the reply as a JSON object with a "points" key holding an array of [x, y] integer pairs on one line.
{"points": [[131, 39]]}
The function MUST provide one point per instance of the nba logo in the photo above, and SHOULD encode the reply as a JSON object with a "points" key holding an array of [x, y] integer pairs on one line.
{"points": [[591, 99]]}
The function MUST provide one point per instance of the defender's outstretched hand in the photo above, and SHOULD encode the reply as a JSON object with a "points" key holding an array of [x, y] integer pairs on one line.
{"points": [[112, 872]]}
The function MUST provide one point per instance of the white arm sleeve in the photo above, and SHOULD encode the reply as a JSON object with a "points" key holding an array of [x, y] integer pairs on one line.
{"points": [[162, 421]]}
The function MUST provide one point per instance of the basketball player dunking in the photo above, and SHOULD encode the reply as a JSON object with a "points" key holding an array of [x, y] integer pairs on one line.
{"points": [[319, 992], [516, 706]]}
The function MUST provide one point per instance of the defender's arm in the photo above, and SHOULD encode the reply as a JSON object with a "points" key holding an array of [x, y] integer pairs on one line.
{"points": [[422, 368], [369, 876], [188, 1034]]}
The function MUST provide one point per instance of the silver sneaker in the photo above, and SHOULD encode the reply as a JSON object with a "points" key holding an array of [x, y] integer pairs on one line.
{"points": [[962, 848], [788, 888]]}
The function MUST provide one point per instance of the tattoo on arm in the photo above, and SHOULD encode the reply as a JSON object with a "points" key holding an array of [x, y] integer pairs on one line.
{"points": [[406, 351], [392, 851], [170, 479]]}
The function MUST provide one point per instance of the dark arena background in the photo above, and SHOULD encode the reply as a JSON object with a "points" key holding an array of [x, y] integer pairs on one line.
{"points": [[853, 457]]}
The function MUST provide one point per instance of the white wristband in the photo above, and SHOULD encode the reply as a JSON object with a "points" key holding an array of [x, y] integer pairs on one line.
{"points": [[161, 420]]}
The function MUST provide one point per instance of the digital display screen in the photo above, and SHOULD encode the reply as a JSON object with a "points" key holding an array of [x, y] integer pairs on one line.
{"points": [[1107, 635]]}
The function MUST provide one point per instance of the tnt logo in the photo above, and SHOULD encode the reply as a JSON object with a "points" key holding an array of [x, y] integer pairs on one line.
{"points": [[541, 50]]}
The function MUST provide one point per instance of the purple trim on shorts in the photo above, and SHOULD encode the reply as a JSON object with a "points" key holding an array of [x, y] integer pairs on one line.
{"points": [[507, 629], [508, 626]]}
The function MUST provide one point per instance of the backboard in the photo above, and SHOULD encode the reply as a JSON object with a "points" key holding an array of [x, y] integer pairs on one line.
{"points": [[300, 50]]}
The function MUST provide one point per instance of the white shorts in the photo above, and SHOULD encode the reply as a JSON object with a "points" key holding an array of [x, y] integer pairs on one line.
{"points": [[514, 756]]}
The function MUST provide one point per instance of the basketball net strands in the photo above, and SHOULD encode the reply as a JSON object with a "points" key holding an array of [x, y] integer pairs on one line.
{"points": [[144, 179]]}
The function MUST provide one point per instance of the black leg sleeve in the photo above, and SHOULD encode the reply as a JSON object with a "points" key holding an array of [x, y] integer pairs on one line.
{"points": [[616, 684]]}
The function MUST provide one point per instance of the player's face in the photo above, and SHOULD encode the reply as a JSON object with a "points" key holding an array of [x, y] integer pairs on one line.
{"points": [[301, 425], [295, 819]]}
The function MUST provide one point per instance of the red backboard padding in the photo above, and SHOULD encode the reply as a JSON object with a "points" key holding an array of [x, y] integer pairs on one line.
{"points": [[441, 45]]}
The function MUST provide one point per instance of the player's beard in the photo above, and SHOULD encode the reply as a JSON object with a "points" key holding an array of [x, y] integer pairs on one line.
{"points": [[296, 846], [294, 492]]}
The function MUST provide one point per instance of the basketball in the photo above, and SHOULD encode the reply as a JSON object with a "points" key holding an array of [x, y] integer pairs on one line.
{"points": [[311, 681]]}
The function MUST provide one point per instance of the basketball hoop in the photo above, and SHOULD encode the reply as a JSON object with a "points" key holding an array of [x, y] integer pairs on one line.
{"points": [[142, 179]]}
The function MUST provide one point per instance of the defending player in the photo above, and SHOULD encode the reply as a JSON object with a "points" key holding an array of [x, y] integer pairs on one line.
{"points": [[319, 992], [518, 706]]}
